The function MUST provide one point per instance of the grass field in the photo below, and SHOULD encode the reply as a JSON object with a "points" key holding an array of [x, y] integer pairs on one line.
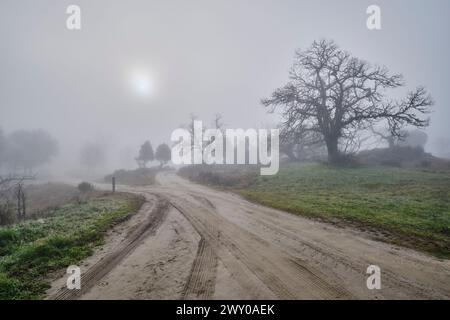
{"points": [[410, 207], [30, 251]]}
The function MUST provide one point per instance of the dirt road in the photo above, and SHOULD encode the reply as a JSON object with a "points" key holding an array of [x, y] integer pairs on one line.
{"points": [[193, 242]]}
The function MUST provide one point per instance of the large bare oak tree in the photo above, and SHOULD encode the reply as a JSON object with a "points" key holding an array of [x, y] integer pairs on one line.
{"points": [[334, 95]]}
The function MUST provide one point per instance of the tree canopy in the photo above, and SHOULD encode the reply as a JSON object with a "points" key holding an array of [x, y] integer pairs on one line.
{"points": [[145, 154], [29, 149], [163, 154]]}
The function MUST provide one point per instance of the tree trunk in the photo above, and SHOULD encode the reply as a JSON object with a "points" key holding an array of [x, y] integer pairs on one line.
{"points": [[288, 150], [333, 150], [24, 211], [391, 142]]}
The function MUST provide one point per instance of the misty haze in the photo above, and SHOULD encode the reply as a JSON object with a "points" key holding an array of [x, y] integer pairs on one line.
{"points": [[221, 150]]}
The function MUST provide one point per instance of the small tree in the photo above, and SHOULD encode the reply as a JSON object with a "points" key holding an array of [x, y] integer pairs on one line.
{"points": [[12, 187], [21, 202], [85, 187], [6, 213], [145, 154], [163, 154], [190, 126], [385, 136]]}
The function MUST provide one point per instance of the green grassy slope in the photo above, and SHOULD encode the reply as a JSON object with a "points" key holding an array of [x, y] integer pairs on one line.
{"points": [[410, 206], [31, 250]]}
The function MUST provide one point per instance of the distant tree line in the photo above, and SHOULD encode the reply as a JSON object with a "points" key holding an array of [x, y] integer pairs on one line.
{"points": [[146, 154]]}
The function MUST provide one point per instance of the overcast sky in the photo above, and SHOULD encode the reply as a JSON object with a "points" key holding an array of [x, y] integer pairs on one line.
{"points": [[198, 56]]}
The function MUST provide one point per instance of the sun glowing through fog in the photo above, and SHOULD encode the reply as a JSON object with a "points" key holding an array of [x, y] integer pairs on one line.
{"points": [[142, 84]]}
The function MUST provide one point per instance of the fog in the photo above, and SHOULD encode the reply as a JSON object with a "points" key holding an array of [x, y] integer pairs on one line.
{"points": [[137, 69]]}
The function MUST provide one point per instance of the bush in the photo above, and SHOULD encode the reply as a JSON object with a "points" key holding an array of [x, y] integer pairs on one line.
{"points": [[221, 175], [85, 187], [10, 287]]}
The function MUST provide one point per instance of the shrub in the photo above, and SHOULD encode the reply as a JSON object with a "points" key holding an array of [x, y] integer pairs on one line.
{"points": [[10, 287], [138, 177], [221, 175], [85, 187]]}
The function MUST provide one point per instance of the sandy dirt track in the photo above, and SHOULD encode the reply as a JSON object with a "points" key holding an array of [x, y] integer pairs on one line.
{"points": [[192, 242]]}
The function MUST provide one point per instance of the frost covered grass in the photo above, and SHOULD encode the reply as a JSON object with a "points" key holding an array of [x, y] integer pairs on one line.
{"points": [[30, 251]]}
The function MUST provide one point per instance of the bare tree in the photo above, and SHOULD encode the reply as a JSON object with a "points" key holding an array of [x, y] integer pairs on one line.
{"points": [[11, 186], [92, 155], [218, 122], [298, 144], [11, 181], [384, 135], [190, 126], [336, 95]]}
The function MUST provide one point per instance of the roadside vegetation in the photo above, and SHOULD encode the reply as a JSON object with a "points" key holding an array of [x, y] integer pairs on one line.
{"points": [[32, 250], [137, 177], [143, 175], [233, 176], [404, 206]]}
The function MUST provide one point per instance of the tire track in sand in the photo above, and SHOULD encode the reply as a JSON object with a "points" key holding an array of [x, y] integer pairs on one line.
{"points": [[202, 278], [104, 266], [286, 277]]}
